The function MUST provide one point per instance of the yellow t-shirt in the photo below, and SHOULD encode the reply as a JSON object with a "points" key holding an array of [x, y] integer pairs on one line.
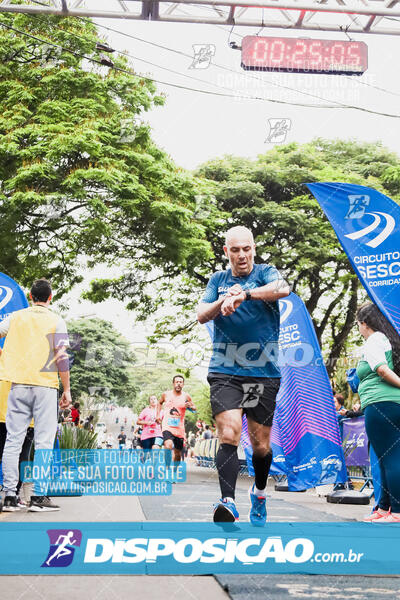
{"points": [[32, 337]]}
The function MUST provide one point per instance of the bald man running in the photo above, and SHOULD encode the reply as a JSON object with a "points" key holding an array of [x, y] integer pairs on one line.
{"points": [[244, 376]]}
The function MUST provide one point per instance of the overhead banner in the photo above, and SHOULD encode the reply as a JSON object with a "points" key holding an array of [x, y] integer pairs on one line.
{"points": [[305, 437], [367, 224], [12, 298]]}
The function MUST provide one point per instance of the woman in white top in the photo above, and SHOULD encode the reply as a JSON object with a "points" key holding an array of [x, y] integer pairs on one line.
{"points": [[379, 390]]}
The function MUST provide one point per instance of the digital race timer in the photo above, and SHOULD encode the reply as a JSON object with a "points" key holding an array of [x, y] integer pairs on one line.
{"points": [[304, 56]]}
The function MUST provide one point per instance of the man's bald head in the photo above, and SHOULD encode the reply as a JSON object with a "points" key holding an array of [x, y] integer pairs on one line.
{"points": [[238, 233], [240, 249]]}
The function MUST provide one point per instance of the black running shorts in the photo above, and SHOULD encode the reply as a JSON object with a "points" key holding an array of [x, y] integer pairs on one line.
{"points": [[255, 395], [148, 443], [178, 441]]}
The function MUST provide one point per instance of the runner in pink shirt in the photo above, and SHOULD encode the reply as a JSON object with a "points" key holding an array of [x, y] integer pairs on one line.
{"points": [[152, 436]]}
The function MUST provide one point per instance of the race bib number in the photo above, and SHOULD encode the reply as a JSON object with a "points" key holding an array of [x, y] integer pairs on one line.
{"points": [[174, 422]]}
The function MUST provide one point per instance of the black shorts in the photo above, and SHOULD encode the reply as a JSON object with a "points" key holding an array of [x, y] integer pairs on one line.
{"points": [[255, 395], [148, 443], [178, 441]]}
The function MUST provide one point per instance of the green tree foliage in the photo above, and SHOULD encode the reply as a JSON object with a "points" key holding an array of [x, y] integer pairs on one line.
{"points": [[102, 367], [80, 176]]}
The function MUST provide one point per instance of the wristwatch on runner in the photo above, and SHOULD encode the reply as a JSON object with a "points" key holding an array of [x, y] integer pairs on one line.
{"points": [[248, 295]]}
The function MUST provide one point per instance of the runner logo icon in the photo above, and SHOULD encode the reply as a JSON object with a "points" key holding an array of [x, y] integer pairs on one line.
{"points": [[63, 543], [357, 205], [5, 295], [251, 394]]}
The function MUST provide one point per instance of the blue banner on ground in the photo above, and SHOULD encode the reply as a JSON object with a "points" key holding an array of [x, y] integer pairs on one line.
{"points": [[197, 548], [12, 298], [367, 224]]}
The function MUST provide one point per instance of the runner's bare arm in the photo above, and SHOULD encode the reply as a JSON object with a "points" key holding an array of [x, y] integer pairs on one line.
{"points": [[189, 402], [207, 311], [62, 361], [270, 292], [386, 373]]}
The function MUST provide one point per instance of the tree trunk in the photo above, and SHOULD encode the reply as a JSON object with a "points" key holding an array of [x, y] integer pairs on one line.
{"points": [[340, 338]]}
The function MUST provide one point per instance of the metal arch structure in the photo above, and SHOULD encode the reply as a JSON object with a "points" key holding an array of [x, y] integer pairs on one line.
{"points": [[352, 16]]}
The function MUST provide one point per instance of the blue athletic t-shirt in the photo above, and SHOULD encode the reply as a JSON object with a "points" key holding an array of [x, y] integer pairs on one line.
{"points": [[246, 342]]}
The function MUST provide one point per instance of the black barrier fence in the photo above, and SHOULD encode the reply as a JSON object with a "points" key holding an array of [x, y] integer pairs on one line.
{"points": [[205, 452]]}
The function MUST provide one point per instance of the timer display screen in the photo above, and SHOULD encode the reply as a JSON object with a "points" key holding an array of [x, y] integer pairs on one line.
{"points": [[304, 56]]}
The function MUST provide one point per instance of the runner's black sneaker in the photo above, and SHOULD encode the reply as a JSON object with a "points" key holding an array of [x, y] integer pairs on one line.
{"points": [[42, 504], [10, 504]]}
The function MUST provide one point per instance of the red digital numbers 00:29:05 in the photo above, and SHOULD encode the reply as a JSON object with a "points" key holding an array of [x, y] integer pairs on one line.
{"points": [[304, 55]]}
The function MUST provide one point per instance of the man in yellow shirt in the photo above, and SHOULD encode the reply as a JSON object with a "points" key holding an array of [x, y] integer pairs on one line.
{"points": [[34, 356]]}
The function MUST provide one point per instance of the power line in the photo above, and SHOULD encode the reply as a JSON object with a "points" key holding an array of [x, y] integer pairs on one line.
{"points": [[123, 53], [126, 71], [179, 52], [208, 92], [339, 104], [269, 82]]}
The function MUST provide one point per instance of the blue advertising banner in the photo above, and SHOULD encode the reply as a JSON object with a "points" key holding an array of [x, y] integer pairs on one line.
{"points": [[367, 224], [12, 298], [197, 548], [305, 413]]}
